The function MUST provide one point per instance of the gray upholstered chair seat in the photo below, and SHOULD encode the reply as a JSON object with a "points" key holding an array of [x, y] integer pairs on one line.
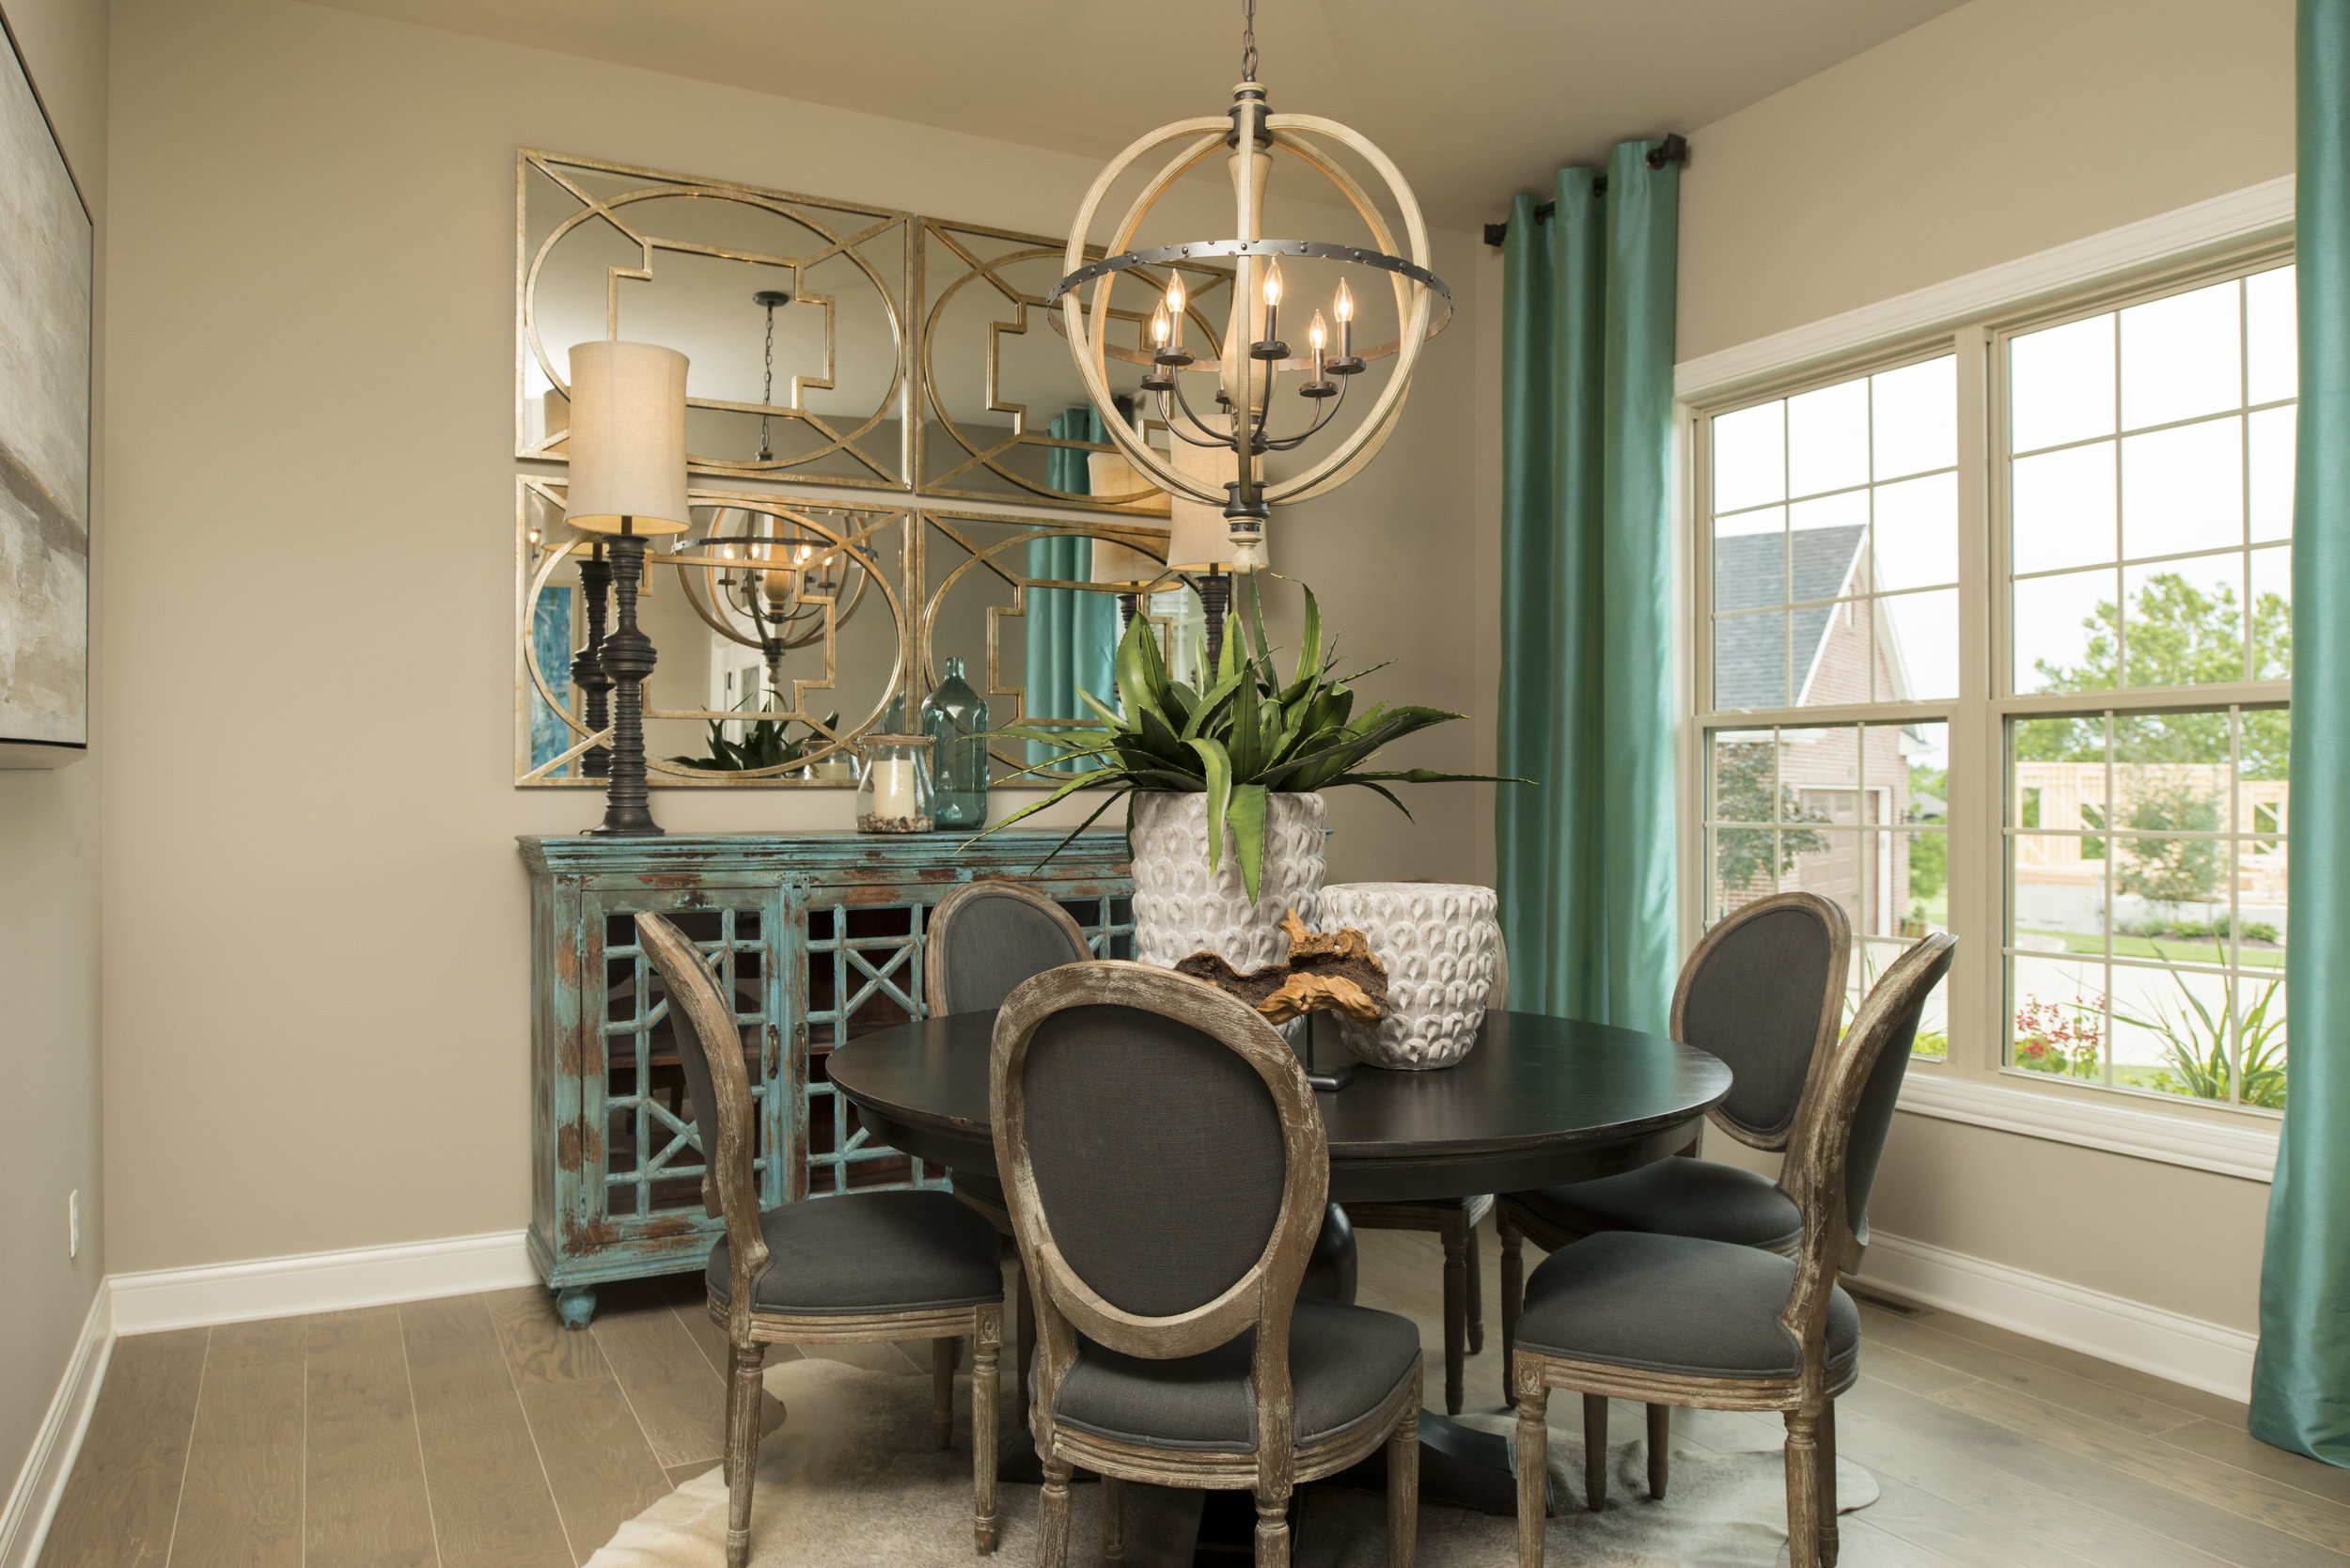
{"points": [[1676, 1198], [1345, 1362], [870, 1252], [1674, 1304]]}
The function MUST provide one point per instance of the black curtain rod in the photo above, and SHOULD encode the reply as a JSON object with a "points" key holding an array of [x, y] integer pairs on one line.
{"points": [[1672, 150]]}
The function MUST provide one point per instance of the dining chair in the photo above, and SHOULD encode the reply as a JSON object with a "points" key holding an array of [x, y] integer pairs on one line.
{"points": [[982, 940], [1166, 1169], [1765, 992], [1689, 1321], [855, 1268], [1454, 1221]]}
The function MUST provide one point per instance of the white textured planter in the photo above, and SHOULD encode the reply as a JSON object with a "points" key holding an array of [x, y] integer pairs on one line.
{"points": [[1180, 909], [1439, 943]]}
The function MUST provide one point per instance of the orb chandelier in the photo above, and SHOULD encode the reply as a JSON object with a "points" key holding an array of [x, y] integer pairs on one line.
{"points": [[1252, 355]]}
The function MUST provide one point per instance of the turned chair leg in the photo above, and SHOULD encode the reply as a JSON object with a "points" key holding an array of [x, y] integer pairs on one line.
{"points": [[1455, 1310], [1273, 1527], [1512, 1298], [943, 1391], [1595, 1450], [1404, 1487], [1803, 1491], [1827, 1486], [743, 1391], [1476, 1298], [1051, 1516], [1660, 1442], [1533, 1397], [986, 1392], [1113, 1521]]}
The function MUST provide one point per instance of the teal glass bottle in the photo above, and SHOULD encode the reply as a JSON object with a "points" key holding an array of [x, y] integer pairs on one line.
{"points": [[954, 718]]}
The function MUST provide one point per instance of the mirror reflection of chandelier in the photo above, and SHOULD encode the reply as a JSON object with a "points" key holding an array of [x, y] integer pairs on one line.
{"points": [[1239, 428], [781, 578]]}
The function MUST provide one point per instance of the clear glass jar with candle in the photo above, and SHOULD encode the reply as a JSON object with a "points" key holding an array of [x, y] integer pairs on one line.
{"points": [[893, 785]]}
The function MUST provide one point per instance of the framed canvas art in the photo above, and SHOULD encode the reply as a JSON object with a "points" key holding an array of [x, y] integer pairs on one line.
{"points": [[45, 285]]}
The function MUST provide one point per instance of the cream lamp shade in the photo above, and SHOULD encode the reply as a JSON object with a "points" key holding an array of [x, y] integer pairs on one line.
{"points": [[1199, 536], [628, 439], [1107, 474]]}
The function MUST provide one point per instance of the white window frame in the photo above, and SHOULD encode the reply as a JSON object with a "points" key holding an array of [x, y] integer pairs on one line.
{"points": [[1972, 316]]}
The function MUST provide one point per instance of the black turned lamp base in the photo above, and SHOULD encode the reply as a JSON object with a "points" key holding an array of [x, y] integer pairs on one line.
{"points": [[628, 659]]}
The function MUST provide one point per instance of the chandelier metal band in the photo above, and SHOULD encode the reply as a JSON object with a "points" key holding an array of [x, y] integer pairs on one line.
{"points": [[1161, 254]]}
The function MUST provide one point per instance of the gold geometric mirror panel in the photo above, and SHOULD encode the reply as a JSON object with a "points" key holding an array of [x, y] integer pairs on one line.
{"points": [[1033, 611], [793, 312], [781, 629], [1004, 415]]}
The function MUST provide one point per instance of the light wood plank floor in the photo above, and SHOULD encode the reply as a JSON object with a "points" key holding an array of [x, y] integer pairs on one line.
{"points": [[477, 1430]]}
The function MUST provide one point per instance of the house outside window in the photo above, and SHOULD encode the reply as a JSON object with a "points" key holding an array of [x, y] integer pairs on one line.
{"points": [[2038, 569]]}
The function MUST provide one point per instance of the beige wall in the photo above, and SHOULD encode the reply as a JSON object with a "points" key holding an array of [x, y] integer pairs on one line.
{"points": [[316, 920], [49, 886], [1996, 130]]}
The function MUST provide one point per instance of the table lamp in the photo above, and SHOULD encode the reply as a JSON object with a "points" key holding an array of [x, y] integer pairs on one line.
{"points": [[628, 481]]}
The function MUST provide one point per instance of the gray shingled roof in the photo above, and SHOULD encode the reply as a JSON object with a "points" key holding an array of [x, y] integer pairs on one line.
{"points": [[1749, 666]]}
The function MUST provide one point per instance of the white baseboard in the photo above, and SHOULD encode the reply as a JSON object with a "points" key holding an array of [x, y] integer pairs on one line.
{"points": [[2186, 1350], [319, 1282], [33, 1502]]}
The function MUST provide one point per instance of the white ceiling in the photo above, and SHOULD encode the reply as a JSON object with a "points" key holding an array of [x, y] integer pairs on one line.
{"points": [[1476, 100]]}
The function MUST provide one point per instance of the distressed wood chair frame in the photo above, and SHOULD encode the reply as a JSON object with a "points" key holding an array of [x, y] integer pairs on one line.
{"points": [[1262, 1298], [937, 969], [728, 1195], [1814, 1177], [1517, 1223], [1453, 1221]]}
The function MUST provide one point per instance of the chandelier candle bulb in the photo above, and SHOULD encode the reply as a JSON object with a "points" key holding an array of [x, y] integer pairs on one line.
{"points": [[1175, 310]]}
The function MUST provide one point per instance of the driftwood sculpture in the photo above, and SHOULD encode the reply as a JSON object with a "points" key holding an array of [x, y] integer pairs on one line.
{"points": [[1331, 971]]}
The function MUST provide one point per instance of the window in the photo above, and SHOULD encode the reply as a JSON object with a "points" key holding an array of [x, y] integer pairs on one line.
{"points": [[2088, 653], [1836, 543]]}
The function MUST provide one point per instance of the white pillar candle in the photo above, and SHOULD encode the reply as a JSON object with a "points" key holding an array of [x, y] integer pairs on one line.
{"points": [[894, 794]]}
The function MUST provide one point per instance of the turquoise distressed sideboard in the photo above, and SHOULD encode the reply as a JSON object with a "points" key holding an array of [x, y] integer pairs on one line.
{"points": [[819, 939]]}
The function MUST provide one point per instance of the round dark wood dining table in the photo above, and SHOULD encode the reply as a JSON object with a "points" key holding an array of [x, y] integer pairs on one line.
{"points": [[1538, 1101]]}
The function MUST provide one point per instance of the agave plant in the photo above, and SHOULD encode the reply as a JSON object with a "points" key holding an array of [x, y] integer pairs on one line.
{"points": [[1249, 734], [764, 744], [2195, 1042]]}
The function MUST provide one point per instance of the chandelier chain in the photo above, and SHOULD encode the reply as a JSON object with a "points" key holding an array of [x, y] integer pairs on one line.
{"points": [[1248, 41], [767, 388]]}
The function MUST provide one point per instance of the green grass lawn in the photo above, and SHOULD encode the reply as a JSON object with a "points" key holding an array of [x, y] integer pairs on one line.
{"points": [[2171, 949]]}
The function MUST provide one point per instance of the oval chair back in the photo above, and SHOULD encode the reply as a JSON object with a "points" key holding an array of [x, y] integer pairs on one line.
{"points": [[1832, 1157], [1765, 993], [986, 937], [1165, 1170], [719, 1087]]}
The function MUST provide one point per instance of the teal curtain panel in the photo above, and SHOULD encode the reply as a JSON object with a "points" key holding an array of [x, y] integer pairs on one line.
{"points": [[1586, 853], [1069, 636], [2301, 1379]]}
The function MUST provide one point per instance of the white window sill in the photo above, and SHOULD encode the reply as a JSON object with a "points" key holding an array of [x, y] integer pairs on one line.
{"points": [[2089, 1122]]}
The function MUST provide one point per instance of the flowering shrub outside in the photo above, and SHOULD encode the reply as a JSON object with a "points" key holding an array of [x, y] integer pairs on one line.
{"points": [[2065, 1038]]}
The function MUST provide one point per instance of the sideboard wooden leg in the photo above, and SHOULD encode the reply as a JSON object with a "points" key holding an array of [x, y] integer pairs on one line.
{"points": [[576, 1304]]}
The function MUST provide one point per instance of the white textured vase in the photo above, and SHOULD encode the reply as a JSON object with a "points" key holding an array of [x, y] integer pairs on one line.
{"points": [[1180, 909], [1439, 942]]}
